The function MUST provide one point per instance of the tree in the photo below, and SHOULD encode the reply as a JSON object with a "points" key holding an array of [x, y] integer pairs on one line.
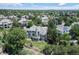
{"points": [[47, 50], [75, 28], [15, 41], [30, 23], [36, 21], [68, 21], [74, 32], [64, 38], [52, 33], [15, 23]]}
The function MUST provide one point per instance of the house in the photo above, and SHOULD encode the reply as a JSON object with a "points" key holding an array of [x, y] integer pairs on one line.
{"points": [[1, 17], [74, 23], [12, 17], [45, 19], [74, 42], [39, 16], [63, 29], [25, 16], [23, 22], [31, 14], [37, 33], [5, 23]]}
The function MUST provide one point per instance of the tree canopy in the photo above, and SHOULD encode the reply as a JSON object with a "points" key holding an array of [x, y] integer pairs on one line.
{"points": [[15, 41]]}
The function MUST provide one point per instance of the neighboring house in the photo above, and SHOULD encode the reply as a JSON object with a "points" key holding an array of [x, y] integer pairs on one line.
{"points": [[74, 23], [55, 17], [12, 17], [39, 16], [37, 33], [25, 16], [23, 22], [5, 23], [1, 17], [31, 14], [45, 19], [74, 42], [63, 29]]}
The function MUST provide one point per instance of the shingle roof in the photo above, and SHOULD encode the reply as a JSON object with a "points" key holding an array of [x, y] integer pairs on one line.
{"points": [[41, 30], [6, 20], [22, 20], [44, 17]]}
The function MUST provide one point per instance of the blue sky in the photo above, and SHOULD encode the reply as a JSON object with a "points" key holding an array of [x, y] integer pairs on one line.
{"points": [[39, 6]]}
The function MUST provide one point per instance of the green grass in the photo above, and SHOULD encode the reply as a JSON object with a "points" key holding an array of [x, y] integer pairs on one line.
{"points": [[38, 44]]}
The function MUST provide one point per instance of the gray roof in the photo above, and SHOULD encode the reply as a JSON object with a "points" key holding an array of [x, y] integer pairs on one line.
{"points": [[63, 29], [5, 21], [41, 30], [22, 20], [2, 16], [44, 17], [74, 23], [12, 16]]}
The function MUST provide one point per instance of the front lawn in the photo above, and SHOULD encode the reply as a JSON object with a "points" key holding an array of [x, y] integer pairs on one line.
{"points": [[37, 44]]}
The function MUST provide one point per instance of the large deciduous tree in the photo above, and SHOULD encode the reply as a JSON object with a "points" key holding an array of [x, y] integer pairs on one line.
{"points": [[15, 41]]}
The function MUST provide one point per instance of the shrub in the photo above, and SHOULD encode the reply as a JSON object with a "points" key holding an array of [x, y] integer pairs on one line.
{"points": [[73, 50], [15, 41], [61, 50], [47, 50]]}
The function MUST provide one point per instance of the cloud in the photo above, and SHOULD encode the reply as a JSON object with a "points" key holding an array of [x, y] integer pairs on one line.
{"points": [[39, 5], [61, 4]]}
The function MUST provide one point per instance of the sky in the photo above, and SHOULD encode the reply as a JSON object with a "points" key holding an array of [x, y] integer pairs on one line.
{"points": [[41, 6]]}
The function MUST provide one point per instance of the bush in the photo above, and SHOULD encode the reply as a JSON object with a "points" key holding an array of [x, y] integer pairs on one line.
{"points": [[30, 23], [15, 41], [47, 50], [73, 50], [54, 50], [61, 50], [26, 52]]}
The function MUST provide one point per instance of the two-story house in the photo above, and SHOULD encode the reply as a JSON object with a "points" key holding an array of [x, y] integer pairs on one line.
{"points": [[23, 22], [37, 33], [45, 19], [63, 29], [6, 23]]}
